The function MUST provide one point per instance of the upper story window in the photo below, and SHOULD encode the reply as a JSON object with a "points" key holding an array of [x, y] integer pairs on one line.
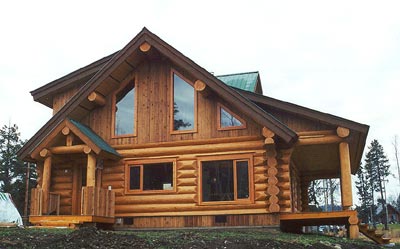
{"points": [[227, 120], [124, 110], [184, 106]]}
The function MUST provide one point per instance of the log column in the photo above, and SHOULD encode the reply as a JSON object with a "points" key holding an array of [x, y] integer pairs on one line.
{"points": [[91, 170], [305, 183], [46, 179], [345, 176]]}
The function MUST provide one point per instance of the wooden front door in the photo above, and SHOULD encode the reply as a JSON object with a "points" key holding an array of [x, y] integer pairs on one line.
{"points": [[78, 181]]}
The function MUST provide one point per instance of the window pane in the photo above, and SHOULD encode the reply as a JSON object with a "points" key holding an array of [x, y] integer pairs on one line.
{"points": [[228, 120], [125, 110], [242, 174], [183, 105], [134, 180], [217, 182], [158, 176]]}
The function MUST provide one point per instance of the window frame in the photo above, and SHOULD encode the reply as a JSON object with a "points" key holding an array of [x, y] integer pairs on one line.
{"points": [[220, 128], [171, 123], [135, 110], [142, 164], [235, 158]]}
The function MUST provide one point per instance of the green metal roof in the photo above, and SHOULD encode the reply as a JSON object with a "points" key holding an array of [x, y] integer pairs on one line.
{"points": [[95, 138], [244, 81]]}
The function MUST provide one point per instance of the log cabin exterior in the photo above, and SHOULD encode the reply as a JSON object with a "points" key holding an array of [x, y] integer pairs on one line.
{"points": [[146, 138]]}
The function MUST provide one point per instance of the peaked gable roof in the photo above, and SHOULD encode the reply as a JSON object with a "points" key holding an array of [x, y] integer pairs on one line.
{"points": [[44, 93], [122, 61], [85, 135], [96, 139]]}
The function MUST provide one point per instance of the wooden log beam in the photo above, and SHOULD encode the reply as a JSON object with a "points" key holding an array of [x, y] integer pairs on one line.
{"points": [[91, 170], [210, 142], [199, 85], [65, 131], [155, 199], [342, 132], [97, 98], [81, 148], [45, 153], [269, 141], [145, 47], [69, 140], [318, 139], [345, 176], [194, 149], [267, 133]]}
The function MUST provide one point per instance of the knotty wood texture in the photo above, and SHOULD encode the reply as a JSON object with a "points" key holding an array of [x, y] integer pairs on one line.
{"points": [[153, 88]]}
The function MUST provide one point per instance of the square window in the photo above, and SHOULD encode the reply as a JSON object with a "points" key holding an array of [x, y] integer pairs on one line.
{"points": [[147, 177]]}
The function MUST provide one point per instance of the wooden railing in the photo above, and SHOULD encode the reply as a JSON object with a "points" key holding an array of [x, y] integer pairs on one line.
{"points": [[37, 200], [98, 202]]}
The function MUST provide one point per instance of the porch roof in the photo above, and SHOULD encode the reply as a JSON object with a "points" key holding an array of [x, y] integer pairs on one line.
{"points": [[96, 139]]}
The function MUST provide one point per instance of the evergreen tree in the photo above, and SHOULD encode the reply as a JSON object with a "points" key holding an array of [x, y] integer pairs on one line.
{"points": [[377, 168], [12, 170], [364, 195]]}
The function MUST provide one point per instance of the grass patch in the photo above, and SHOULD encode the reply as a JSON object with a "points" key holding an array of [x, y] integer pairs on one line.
{"points": [[182, 236]]}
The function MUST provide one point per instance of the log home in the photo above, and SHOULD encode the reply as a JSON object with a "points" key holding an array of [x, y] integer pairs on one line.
{"points": [[146, 138]]}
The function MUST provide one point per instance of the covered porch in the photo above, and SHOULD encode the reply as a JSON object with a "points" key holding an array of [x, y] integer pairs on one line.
{"points": [[69, 191], [325, 154]]}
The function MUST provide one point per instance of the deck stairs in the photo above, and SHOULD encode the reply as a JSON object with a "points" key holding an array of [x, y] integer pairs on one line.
{"points": [[372, 234]]}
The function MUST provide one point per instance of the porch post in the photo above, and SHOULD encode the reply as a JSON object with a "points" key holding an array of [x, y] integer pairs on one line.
{"points": [[46, 180], [345, 176], [304, 195], [91, 170]]}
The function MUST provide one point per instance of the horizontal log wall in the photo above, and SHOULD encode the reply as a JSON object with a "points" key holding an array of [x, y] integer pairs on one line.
{"points": [[185, 201], [204, 221], [61, 183]]}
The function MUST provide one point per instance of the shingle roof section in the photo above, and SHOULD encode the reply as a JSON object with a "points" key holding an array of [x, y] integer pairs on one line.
{"points": [[94, 137], [244, 81]]}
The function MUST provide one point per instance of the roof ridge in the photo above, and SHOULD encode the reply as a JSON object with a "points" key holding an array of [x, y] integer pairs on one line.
{"points": [[237, 74]]}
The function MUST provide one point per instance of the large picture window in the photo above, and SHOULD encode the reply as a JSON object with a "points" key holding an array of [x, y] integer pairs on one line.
{"points": [[184, 100], [156, 176], [225, 180], [124, 110]]}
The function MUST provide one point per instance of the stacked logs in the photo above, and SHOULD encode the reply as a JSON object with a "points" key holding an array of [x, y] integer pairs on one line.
{"points": [[285, 180], [272, 171], [61, 183]]}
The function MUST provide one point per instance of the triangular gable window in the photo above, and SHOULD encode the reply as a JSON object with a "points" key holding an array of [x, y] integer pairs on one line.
{"points": [[228, 120]]}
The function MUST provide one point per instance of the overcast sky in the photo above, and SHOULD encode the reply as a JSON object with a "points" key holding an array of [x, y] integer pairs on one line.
{"points": [[340, 57]]}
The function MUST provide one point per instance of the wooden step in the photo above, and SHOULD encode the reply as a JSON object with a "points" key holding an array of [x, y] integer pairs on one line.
{"points": [[371, 234], [363, 226]]}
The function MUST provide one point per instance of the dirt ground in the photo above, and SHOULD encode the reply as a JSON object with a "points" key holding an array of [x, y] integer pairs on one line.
{"points": [[90, 237]]}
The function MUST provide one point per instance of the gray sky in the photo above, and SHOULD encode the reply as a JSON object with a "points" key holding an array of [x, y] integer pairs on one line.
{"points": [[340, 57]]}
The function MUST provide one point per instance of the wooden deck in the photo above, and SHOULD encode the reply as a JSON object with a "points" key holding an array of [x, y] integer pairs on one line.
{"points": [[294, 222], [69, 220]]}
